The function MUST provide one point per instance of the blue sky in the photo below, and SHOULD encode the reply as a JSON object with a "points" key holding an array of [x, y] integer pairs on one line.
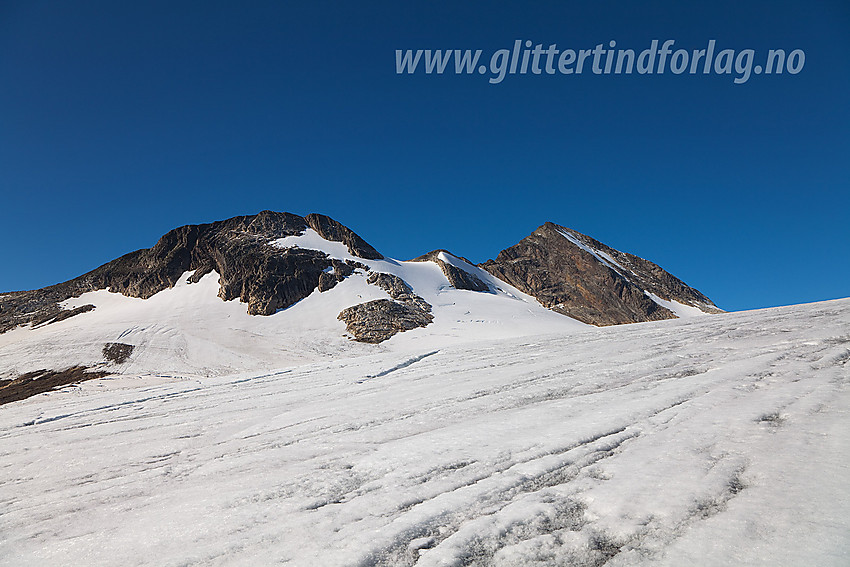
{"points": [[120, 121]]}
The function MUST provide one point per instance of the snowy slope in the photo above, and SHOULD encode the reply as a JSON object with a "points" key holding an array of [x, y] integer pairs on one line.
{"points": [[707, 441], [188, 329]]}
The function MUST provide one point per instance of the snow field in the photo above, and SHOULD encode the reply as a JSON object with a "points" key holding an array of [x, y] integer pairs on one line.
{"points": [[709, 441]]}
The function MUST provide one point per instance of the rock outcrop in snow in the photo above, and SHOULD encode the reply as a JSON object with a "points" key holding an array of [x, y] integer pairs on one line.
{"points": [[398, 289], [378, 320]]}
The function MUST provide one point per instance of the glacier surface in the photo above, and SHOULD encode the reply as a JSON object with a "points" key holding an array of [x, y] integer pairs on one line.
{"points": [[719, 440]]}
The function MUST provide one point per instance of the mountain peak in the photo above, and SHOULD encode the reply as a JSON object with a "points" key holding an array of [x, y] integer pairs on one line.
{"points": [[264, 277], [574, 274]]}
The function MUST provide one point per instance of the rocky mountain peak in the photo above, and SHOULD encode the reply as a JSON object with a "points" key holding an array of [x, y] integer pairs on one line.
{"points": [[239, 249], [574, 274]]}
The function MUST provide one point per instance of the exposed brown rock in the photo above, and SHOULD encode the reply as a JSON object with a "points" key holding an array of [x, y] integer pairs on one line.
{"points": [[570, 280], [40, 381], [52, 313], [341, 270], [461, 279], [378, 320], [396, 287], [432, 256], [117, 352], [344, 269], [326, 281], [66, 313], [651, 277]]}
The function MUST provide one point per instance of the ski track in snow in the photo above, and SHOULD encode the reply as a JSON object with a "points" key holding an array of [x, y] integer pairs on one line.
{"points": [[721, 440]]}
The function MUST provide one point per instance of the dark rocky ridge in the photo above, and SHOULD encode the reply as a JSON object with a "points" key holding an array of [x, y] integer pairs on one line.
{"points": [[458, 278], [264, 277], [570, 280]]}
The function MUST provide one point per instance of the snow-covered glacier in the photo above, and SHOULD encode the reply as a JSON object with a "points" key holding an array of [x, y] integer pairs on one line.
{"points": [[720, 440]]}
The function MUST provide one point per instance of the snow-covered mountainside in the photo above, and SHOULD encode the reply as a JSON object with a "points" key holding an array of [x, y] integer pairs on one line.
{"points": [[704, 441], [187, 329], [273, 289]]}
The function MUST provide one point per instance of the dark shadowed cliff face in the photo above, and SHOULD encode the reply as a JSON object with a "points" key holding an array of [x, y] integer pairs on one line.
{"points": [[578, 276], [267, 278]]}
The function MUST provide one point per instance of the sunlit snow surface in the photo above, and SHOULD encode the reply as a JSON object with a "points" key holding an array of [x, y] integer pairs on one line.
{"points": [[721, 440]]}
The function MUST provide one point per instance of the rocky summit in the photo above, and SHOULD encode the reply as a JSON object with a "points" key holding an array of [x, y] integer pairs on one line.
{"points": [[264, 277], [576, 275]]}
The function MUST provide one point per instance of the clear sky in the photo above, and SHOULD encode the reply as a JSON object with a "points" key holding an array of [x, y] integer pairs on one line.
{"points": [[122, 120]]}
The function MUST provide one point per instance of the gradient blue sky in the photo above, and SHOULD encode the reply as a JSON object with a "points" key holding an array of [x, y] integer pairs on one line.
{"points": [[120, 121]]}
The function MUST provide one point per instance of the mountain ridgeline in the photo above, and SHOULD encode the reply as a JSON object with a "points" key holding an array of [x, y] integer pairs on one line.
{"points": [[564, 270]]}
